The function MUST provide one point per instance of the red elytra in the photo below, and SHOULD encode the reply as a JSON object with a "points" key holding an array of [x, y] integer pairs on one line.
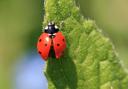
{"points": [[49, 39]]}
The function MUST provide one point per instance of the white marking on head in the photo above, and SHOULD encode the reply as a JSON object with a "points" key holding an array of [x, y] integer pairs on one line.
{"points": [[56, 27], [46, 27]]}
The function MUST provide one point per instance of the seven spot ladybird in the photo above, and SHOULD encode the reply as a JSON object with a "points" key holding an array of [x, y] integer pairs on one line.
{"points": [[51, 40]]}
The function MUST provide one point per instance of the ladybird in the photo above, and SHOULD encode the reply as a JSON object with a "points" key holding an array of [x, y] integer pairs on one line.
{"points": [[51, 42]]}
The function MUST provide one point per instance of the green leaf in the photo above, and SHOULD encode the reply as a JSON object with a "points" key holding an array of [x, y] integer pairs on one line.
{"points": [[90, 61]]}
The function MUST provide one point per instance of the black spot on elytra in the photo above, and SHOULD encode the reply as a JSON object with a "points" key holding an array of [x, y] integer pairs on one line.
{"points": [[45, 44], [63, 40], [40, 40], [40, 52], [58, 44]]}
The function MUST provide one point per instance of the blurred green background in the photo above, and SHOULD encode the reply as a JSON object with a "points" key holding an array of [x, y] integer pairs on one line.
{"points": [[21, 24]]}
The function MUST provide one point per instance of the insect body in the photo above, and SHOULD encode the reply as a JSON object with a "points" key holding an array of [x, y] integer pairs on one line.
{"points": [[51, 39]]}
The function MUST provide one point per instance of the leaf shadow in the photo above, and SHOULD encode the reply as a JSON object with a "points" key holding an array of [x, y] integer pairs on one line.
{"points": [[62, 73]]}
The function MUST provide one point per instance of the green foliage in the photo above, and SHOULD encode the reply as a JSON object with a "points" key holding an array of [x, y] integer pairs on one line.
{"points": [[89, 61]]}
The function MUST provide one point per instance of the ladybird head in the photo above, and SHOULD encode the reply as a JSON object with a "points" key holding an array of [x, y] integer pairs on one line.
{"points": [[51, 28]]}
